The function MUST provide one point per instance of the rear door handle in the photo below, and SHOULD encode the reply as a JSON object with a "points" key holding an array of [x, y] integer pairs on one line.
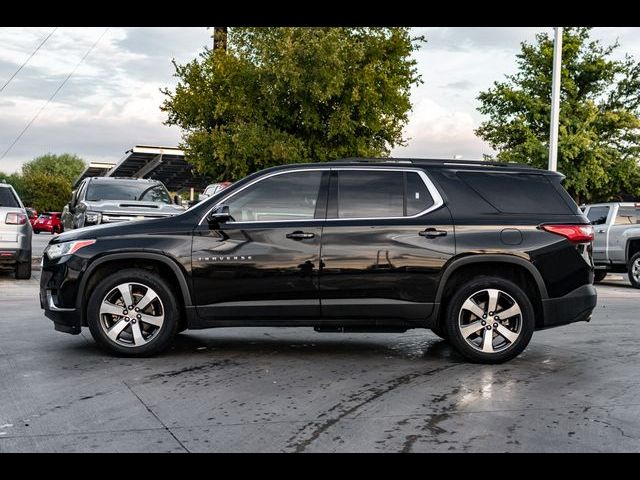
{"points": [[297, 235], [433, 233]]}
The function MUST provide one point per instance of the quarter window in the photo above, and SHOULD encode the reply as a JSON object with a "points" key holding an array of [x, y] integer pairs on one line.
{"points": [[418, 196], [289, 196]]}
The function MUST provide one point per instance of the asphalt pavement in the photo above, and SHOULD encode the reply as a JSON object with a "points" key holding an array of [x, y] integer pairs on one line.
{"points": [[574, 389]]}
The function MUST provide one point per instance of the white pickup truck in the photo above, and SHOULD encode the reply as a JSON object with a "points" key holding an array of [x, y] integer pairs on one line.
{"points": [[616, 246]]}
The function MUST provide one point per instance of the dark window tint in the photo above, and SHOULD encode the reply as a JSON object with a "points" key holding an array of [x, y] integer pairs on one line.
{"points": [[7, 198], [289, 196], [518, 192], [628, 216], [598, 215], [418, 196], [127, 191], [363, 194]]}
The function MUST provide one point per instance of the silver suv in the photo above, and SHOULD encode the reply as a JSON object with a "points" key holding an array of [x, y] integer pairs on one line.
{"points": [[15, 233]]}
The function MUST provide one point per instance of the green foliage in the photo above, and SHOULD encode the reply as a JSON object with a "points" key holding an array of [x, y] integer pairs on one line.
{"points": [[599, 132], [46, 181], [290, 95]]}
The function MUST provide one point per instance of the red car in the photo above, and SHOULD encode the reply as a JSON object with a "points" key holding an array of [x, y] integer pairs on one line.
{"points": [[48, 222], [32, 214]]}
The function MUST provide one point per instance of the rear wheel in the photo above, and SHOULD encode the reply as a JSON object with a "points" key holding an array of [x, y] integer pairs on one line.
{"points": [[599, 275], [634, 270], [133, 313], [490, 320], [36, 231], [23, 270]]}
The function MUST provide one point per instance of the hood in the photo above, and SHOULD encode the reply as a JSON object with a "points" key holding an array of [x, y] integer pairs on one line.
{"points": [[133, 207]]}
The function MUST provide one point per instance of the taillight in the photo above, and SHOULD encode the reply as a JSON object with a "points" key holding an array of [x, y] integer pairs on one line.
{"points": [[573, 233], [16, 218]]}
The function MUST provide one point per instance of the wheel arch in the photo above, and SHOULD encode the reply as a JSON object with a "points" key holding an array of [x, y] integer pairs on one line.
{"points": [[504, 265], [177, 276]]}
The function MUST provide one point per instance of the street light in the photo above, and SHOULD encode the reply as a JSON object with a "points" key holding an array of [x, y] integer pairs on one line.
{"points": [[555, 100]]}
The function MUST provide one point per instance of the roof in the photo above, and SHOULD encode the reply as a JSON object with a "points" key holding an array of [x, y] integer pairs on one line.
{"points": [[165, 164]]}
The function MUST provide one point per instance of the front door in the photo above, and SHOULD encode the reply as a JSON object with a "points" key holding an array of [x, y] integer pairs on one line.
{"points": [[598, 215], [385, 241], [264, 263]]}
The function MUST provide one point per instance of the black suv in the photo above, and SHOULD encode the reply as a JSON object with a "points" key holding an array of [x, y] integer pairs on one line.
{"points": [[481, 253]]}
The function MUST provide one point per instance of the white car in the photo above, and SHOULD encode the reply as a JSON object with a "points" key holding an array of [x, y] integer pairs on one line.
{"points": [[15, 233]]}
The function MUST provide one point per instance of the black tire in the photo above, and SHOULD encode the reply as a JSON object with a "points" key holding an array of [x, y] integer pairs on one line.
{"points": [[526, 318], [23, 270], [634, 277], [167, 330], [599, 275], [36, 232], [440, 332]]}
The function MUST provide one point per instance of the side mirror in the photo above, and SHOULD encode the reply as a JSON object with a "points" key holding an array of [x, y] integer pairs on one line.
{"points": [[220, 215]]}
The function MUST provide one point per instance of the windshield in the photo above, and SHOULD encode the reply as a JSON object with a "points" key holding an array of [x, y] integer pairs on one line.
{"points": [[7, 198], [127, 191]]}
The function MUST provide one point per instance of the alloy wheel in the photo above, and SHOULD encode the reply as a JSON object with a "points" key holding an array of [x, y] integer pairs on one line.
{"points": [[490, 320], [131, 314], [635, 270]]}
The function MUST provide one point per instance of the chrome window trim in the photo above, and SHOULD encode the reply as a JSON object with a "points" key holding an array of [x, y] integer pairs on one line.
{"points": [[433, 191]]}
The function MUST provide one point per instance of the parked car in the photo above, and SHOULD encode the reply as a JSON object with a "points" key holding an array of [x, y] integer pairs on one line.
{"points": [[99, 200], [616, 246], [32, 215], [48, 222], [212, 189], [15, 233], [481, 253]]}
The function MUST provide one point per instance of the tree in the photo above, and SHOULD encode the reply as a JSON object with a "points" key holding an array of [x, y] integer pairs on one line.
{"points": [[599, 133], [66, 165], [45, 182], [289, 95]]}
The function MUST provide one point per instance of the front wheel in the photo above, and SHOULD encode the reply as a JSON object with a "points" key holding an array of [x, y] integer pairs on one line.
{"points": [[133, 313], [634, 270], [490, 320]]}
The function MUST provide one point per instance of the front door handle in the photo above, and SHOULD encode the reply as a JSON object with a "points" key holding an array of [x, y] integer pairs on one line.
{"points": [[433, 233], [297, 235], [601, 231]]}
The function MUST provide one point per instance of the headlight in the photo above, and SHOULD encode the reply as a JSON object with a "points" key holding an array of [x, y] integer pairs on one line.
{"points": [[91, 218], [57, 250]]}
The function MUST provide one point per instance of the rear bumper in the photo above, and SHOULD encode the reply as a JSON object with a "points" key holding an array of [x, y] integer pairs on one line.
{"points": [[575, 306], [11, 256]]}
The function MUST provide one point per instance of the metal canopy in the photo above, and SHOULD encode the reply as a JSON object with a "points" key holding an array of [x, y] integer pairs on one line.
{"points": [[95, 169], [166, 164]]}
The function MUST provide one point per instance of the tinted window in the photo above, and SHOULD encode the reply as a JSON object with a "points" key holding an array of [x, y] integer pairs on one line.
{"points": [[418, 197], [7, 198], [127, 191], [364, 194], [628, 216], [598, 215], [289, 196], [518, 193]]}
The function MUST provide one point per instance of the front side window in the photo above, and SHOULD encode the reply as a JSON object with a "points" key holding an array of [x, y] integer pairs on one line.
{"points": [[285, 197], [598, 215], [628, 216]]}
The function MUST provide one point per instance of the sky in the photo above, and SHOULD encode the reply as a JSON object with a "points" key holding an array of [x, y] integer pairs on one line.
{"points": [[111, 102]]}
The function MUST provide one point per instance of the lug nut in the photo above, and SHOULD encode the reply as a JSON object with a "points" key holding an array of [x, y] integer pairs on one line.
{"points": [[133, 320], [495, 325], [139, 316], [126, 319], [496, 318], [137, 309], [484, 316], [124, 312], [488, 327], [130, 307], [483, 323]]}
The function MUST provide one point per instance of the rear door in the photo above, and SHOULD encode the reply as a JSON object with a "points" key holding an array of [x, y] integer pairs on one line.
{"points": [[385, 241], [599, 215]]}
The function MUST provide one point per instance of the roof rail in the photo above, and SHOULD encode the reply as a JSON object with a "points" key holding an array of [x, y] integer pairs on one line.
{"points": [[435, 161]]}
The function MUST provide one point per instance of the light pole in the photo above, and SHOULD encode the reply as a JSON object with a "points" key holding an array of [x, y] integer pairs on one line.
{"points": [[555, 100]]}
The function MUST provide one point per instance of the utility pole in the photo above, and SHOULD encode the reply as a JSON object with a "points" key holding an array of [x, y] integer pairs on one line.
{"points": [[555, 100], [219, 38]]}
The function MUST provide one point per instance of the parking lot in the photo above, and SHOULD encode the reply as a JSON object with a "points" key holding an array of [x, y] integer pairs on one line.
{"points": [[575, 388]]}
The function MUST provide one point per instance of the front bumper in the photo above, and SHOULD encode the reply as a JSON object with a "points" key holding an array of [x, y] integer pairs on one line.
{"points": [[58, 291], [575, 306]]}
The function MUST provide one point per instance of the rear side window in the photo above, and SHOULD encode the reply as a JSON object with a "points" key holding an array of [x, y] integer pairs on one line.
{"points": [[598, 215], [363, 194], [628, 216], [518, 193], [7, 198]]}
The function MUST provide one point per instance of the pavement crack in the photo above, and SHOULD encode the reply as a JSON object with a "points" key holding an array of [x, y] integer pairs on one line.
{"points": [[301, 439], [167, 429]]}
